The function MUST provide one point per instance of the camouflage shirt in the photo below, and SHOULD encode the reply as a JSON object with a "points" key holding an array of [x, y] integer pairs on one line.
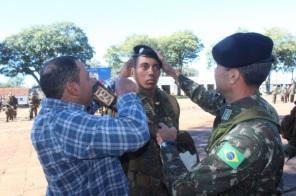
{"points": [[248, 160], [143, 167]]}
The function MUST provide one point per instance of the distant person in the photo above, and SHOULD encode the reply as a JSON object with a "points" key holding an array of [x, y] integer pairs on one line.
{"points": [[1, 103], [34, 103], [287, 93], [13, 102], [244, 152], [275, 92], [10, 104], [283, 93], [78, 151], [288, 131], [292, 92]]}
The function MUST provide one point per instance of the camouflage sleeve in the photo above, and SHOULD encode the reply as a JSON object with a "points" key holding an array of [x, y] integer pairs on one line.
{"points": [[175, 171], [240, 154], [209, 100]]}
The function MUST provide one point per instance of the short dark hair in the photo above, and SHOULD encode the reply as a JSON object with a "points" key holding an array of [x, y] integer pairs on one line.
{"points": [[56, 73], [255, 74]]}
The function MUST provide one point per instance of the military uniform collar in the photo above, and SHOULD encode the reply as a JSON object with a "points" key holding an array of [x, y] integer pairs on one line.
{"points": [[229, 111], [157, 93]]}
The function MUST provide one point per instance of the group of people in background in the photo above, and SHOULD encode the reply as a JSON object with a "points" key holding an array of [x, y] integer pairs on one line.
{"points": [[285, 92], [9, 104]]}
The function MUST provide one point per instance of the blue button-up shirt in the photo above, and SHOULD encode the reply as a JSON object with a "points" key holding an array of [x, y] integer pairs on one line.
{"points": [[79, 152]]}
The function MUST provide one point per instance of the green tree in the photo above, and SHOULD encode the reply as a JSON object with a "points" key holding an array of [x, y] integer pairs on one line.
{"points": [[25, 52], [117, 55], [131, 41], [210, 60], [284, 49], [13, 82], [113, 59], [284, 52], [181, 49]]}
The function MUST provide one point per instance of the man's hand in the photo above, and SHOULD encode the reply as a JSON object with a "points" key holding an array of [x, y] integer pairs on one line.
{"points": [[124, 85], [168, 69], [126, 69], [165, 133]]}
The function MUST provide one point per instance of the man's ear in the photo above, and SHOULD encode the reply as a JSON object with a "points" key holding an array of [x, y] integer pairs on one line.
{"points": [[234, 76], [72, 88], [133, 71]]}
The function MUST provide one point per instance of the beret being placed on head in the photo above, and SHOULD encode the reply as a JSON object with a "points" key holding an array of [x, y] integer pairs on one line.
{"points": [[143, 50], [242, 49]]}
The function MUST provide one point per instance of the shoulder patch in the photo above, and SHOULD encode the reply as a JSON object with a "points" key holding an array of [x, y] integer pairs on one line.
{"points": [[226, 114], [230, 155]]}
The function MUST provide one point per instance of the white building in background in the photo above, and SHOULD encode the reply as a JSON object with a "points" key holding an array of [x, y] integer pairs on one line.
{"points": [[208, 81], [20, 93], [168, 83]]}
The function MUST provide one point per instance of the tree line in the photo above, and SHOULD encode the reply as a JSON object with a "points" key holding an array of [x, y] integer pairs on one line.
{"points": [[24, 53]]}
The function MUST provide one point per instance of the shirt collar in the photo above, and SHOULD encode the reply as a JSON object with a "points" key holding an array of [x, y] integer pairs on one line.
{"points": [[53, 103]]}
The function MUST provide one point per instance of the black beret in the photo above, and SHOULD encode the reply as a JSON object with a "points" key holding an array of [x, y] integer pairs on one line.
{"points": [[143, 50], [242, 49]]}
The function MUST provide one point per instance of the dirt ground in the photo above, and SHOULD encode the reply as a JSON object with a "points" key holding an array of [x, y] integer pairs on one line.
{"points": [[21, 173]]}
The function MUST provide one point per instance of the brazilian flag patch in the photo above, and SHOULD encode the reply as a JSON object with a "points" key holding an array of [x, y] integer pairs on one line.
{"points": [[230, 155]]}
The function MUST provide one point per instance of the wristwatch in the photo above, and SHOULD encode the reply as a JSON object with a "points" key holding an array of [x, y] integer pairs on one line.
{"points": [[166, 143]]}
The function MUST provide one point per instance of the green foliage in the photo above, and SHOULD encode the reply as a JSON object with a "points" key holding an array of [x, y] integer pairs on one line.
{"points": [[284, 49], [210, 60], [179, 49], [113, 59], [117, 55], [26, 51], [132, 41], [13, 82]]}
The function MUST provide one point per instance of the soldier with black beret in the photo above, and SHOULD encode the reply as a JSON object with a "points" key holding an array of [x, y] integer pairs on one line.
{"points": [[143, 167], [244, 152]]}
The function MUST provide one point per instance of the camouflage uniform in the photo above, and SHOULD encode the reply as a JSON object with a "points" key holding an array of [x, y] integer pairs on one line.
{"points": [[143, 167], [245, 160], [34, 103], [275, 92], [10, 107], [12, 101], [288, 131]]}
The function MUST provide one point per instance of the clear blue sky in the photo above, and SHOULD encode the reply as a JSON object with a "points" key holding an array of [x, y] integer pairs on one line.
{"points": [[108, 22]]}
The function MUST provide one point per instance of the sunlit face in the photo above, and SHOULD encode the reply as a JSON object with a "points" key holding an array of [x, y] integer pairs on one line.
{"points": [[146, 73], [85, 85], [221, 78]]}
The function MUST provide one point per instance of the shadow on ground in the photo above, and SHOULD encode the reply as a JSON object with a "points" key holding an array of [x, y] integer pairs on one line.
{"points": [[200, 136]]}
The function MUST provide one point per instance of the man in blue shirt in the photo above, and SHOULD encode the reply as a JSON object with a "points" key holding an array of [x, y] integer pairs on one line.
{"points": [[78, 151]]}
